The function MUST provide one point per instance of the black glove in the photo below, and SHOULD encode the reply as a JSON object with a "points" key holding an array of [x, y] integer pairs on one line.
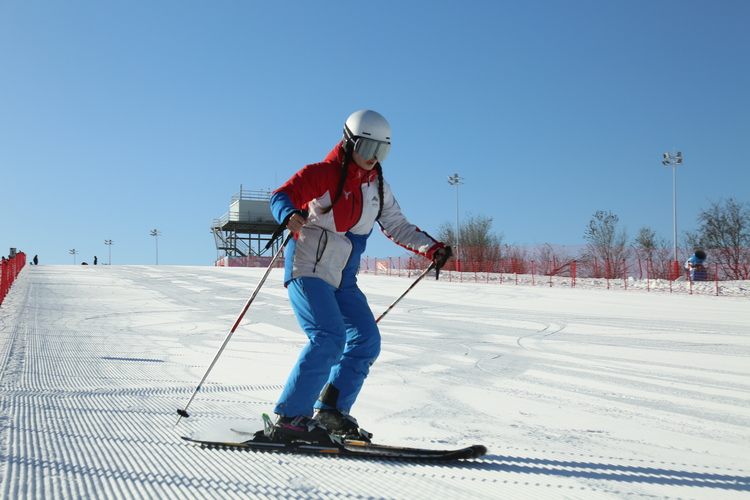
{"points": [[439, 258], [282, 226]]}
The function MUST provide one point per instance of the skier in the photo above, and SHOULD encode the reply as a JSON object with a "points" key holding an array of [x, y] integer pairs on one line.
{"points": [[344, 195], [695, 268]]}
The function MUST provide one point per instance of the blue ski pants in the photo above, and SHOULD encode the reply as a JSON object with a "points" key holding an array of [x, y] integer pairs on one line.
{"points": [[343, 342]]}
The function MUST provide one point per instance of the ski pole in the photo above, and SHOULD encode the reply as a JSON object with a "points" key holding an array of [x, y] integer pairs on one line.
{"points": [[424, 273], [183, 412]]}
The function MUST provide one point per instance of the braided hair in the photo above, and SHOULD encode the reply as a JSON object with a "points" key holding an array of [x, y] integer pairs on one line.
{"points": [[342, 177], [379, 169]]}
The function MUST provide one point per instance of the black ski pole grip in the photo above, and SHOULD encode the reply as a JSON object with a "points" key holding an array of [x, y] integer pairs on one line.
{"points": [[282, 226]]}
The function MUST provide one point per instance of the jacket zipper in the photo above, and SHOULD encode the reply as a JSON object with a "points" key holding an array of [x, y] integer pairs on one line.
{"points": [[321, 248]]}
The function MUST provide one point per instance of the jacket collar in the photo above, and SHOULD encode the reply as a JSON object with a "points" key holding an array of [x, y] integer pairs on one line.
{"points": [[354, 171]]}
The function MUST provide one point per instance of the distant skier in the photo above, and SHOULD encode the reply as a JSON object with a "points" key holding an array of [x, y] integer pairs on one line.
{"points": [[694, 266], [36, 260], [345, 195], [95, 259]]}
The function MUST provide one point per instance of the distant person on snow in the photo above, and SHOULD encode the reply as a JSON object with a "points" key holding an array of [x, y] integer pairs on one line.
{"points": [[344, 195], [36, 260], [694, 266], [95, 259]]}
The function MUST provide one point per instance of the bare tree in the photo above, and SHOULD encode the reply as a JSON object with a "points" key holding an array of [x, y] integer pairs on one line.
{"points": [[692, 239], [725, 230], [650, 246], [606, 242], [646, 239], [515, 260], [447, 234], [655, 251], [478, 243], [725, 224], [602, 229], [558, 260]]}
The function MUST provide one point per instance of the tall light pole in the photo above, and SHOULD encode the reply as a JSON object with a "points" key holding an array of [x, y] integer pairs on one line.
{"points": [[109, 244], [157, 233], [73, 252], [674, 161], [456, 181]]}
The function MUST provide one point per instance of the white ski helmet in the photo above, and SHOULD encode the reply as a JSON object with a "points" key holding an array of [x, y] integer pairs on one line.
{"points": [[368, 133]]}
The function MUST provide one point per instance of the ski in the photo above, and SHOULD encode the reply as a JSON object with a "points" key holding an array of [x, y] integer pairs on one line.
{"points": [[345, 448], [338, 446]]}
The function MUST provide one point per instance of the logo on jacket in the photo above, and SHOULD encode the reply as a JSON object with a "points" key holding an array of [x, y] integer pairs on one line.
{"points": [[375, 201], [347, 194]]}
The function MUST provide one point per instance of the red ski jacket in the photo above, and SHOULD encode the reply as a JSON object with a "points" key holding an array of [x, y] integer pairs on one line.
{"points": [[331, 244]]}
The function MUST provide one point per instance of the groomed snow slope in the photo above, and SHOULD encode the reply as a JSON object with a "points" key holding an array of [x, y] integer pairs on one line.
{"points": [[580, 394]]}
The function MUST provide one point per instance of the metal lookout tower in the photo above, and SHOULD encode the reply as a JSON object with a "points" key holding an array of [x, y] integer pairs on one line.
{"points": [[246, 229]]}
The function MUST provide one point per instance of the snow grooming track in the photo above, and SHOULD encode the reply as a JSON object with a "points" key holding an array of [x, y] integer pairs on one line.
{"points": [[623, 402]]}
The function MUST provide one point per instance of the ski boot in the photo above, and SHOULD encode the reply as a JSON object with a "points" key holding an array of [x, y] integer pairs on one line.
{"points": [[340, 423], [299, 428]]}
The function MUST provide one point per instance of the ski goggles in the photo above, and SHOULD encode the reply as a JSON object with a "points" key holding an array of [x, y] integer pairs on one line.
{"points": [[369, 148]]}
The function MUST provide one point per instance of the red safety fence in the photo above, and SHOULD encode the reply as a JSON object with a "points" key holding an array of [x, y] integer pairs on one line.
{"points": [[727, 273], [625, 275], [9, 269]]}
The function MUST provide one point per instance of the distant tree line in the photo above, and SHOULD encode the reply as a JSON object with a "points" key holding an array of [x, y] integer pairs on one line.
{"points": [[723, 232]]}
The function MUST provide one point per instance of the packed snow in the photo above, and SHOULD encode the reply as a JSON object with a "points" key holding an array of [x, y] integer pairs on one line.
{"points": [[577, 393]]}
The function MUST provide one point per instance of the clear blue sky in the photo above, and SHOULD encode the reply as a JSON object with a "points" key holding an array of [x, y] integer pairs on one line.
{"points": [[120, 117]]}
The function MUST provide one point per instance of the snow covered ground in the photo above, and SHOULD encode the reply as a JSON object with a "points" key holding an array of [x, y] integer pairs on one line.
{"points": [[577, 393]]}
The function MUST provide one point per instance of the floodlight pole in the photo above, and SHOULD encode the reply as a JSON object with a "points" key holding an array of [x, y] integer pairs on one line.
{"points": [[157, 233], [674, 161], [74, 252], [109, 244], [456, 181]]}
